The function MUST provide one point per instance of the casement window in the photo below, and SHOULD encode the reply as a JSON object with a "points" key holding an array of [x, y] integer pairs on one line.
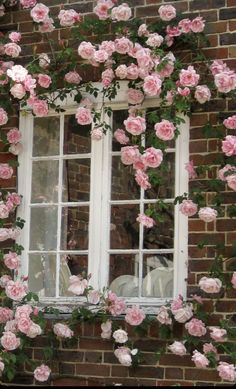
{"points": [[80, 203]]}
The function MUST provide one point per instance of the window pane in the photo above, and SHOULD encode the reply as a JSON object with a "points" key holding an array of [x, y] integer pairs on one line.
{"points": [[158, 275], [74, 228], [124, 186], [42, 274], [71, 265], [124, 227], [77, 139], [44, 188], [118, 122], [76, 180], [161, 236], [43, 228], [124, 274], [46, 136]]}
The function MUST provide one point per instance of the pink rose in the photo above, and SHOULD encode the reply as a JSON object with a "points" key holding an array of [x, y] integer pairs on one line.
{"points": [[230, 122], [121, 137], [14, 135], [24, 324], [94, 297], [97, 133], [145, 220], [6, 171], [189, 77], [190, 169], [144, 59], [173, 31], [209, 348], [4, 280], [183, 314], [4, 234], [155, 40], [120, 336], [24, 310], [202, 94], [77, 285], [197, 24], [176, 304], [135, 125], [9, 341], [188, 208], [12, 261], [68, 17], [123, 12], [3, 117], [30, 84], [18, 91], [123, 45], [117, 307], [106, 329], [152, 157], [229, 145], [233, 280], [124, 356], [210, 285], [142, 179], [41, 373], [4, 211], [163, 316], [199, 359], [34, 330], [167, 12], [196, 327], [107, 77], [226, 169], [44, 60], [39, 13], [207, 214], [44, 80], [6, 314], [132, 72], [47, 25], [16, 148], [84, 116], [11, 326], [62, 330], [14, 198], [143, 30], [225, 81], [101, 10], [217, 334], [100, 56], [72, 77], [226, 371], [108, 46], [135, 96], [167, 70], [152, 85], [86, 50], [12, 50], [17, 73], [15, 37], [129, 154], [177, 348], [185, 25], [165, 130], [40, 108], [28, 3], [218, 66], [184, 91], [15, 290], [121, 71], [134, 316]]}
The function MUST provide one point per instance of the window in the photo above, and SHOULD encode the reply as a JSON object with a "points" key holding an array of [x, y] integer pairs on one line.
{"points": [[81, 203]]}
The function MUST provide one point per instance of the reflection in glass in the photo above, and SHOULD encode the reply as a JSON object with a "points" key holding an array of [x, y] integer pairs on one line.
{"points": [[77, 139], [157, 275], [123, 276], [42, 274], [44, 187], [43, 228], [46, 136], [124, 227], [76, 180], [71, 265], [74, 228], [118, 122], [124, 186]]}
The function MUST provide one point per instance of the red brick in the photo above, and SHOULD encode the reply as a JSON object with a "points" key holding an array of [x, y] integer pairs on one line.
{"points": [[171, 373], [93, 370], [175, 360], [119, 371], [95, 344], [202, 374]]}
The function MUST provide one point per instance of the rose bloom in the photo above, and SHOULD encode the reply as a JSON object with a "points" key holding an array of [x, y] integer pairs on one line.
{"points": [[106, 329], [24, 310], [225, 81], [217, 334], [77, 285], [177, 348], [135, 96], [16, 148], [9, 341], [44, 60], [229, 145], [84, 116], [62, 330], [199, 359], [121, 137], [123, 12], [188, 77], [34, 330], [28, 3], [181, 315], [107, 77], [23, 324], [132, 72], [124, 356], [14, 135], [39, 13], [188, 208], [4, 234], [14, 198], [233, 280], [134, 316], [12, 49], [152, 85], [152, 157], [97, 133], [72, 77], [3, 117], [209, 348], [121, 71], [185, 25], [116, 306], [183, 91], [6, 171], [12, 261], [15, 290], [135, 125], [155, 40], [172, 31], [100, 56], [142, 179], [47, 25], [6, 314], [108, 46], [226, 371], [86, 50], [15, 37], [123, 45], [40, 108], [202, 94], [41, 373], [218, 66], [145, 220], [197, 24], [230, 122], [120, 336], [190, 169], [207, 214], [17, 73], [101, 10], [30, 84], [68, 17], [129, 154], [165, 130], [11, 326], [210, 285], [196, 327], [4, 211], [227, 168], [163, 316], [93, 297], [142, 30], [18, 91], [144, 58], [167, 12], [44, 80]]}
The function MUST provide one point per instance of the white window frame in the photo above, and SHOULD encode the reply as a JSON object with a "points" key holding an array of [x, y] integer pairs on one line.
{"points": [[100, 194]]}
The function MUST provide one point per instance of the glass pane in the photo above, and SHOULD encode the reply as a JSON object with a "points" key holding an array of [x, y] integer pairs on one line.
{"points": [[74, 228], [76, 180], [157, 275], [44, 188], [161, 236], [165, 175], [118, 122], [124, 186], [124, 227], [46, 136], [71, 265], [77, 139], [43, 228], [42, 274], [124, 274]]}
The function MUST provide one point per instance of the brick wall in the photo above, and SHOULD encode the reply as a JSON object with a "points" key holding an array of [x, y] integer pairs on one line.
{"points": [[91, 361]]}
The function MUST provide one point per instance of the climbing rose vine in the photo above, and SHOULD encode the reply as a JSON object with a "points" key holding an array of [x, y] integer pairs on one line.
{"points": [[146, 57]]}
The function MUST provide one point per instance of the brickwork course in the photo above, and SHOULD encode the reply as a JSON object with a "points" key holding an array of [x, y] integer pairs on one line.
{"points": [[91, 361]]}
